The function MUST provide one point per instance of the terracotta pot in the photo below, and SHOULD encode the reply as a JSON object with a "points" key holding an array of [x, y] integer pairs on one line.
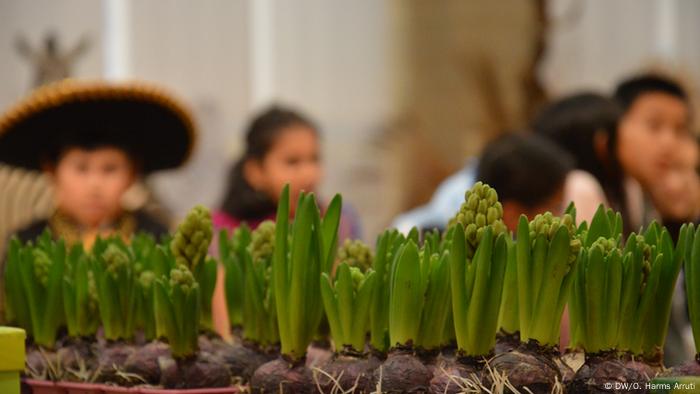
{"points": [[80, 388], [43, 386]]}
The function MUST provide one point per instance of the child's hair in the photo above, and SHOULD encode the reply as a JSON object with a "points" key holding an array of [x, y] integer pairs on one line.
{"points": [[527, 169], [90, 141], [572, 123], [628, 91], [241, 200]]}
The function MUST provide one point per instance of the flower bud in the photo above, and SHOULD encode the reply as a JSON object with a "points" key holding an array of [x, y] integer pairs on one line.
{"points": [[492, 196], [483, 207], [146, 279], [468, 217], [192, 239], [480, 220], [356, 254], [470, 232], [491, 215], [357, 277], [473, 202], [480, 209], [262, 241]]}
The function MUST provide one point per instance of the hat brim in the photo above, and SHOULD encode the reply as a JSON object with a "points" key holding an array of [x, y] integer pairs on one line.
{"points": [[150, 124]]}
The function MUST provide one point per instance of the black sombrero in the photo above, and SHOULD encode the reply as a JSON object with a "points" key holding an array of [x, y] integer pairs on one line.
{"points": [[150, 123]]}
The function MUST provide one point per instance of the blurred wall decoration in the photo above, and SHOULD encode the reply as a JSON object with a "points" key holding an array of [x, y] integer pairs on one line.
{"points": [[50, 62]]}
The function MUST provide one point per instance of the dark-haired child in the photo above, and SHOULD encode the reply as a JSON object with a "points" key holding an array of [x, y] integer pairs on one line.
{"points": [[93, 140], [585, 125], [528, 172], [281, 147], [657, 148], [660, 153]]}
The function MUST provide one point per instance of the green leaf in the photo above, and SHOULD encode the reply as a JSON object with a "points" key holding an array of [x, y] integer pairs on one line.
{"points": [[280, 263], [478, 302], [31, 293], [487, 331], [595, 299], [547, 308], [508, 319], [330, 303], [205, 274], [406, 301], [571, 210], [630, 294], [345, 297], [380, 299], [18, 305], [361, 311], [600, 226], [165, 314], [457, 284], [436, 309], [692, 284], [646, 305], [613, 297], [300, 278], [329, 231], [525, 285]]}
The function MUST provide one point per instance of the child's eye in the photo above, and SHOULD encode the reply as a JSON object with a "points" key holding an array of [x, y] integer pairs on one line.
{"points": [[81, 167], [109, 169], [682, 130], [292, 161], [654, 124]]}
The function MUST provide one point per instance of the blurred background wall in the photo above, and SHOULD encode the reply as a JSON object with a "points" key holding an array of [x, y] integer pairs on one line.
{"points": [[404, 91]]}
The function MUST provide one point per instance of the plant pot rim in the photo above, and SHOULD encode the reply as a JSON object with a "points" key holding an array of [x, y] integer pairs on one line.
{"points": [[65, 383], [218, 390], [81, 387], [43, 386], [108, 389], [39, 382]]}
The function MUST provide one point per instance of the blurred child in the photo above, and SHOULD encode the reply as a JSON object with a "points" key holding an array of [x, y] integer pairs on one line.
{"points": [[656, 147], [529, 174], [449, 195], [660, 154], [93, 141], [281, 147], [585, 125]]}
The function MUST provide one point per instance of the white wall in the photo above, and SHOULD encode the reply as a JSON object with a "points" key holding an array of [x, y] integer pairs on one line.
{"points": [[199, 49], [332, 60]]}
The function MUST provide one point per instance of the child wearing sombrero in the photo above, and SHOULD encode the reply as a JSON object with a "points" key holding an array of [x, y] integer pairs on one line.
{"points": [[94, 140]]}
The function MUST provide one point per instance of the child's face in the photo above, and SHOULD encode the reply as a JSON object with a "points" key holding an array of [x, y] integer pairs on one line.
{"points": [[650, 134], [89, 184], [294, 158], [513, 209]]}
